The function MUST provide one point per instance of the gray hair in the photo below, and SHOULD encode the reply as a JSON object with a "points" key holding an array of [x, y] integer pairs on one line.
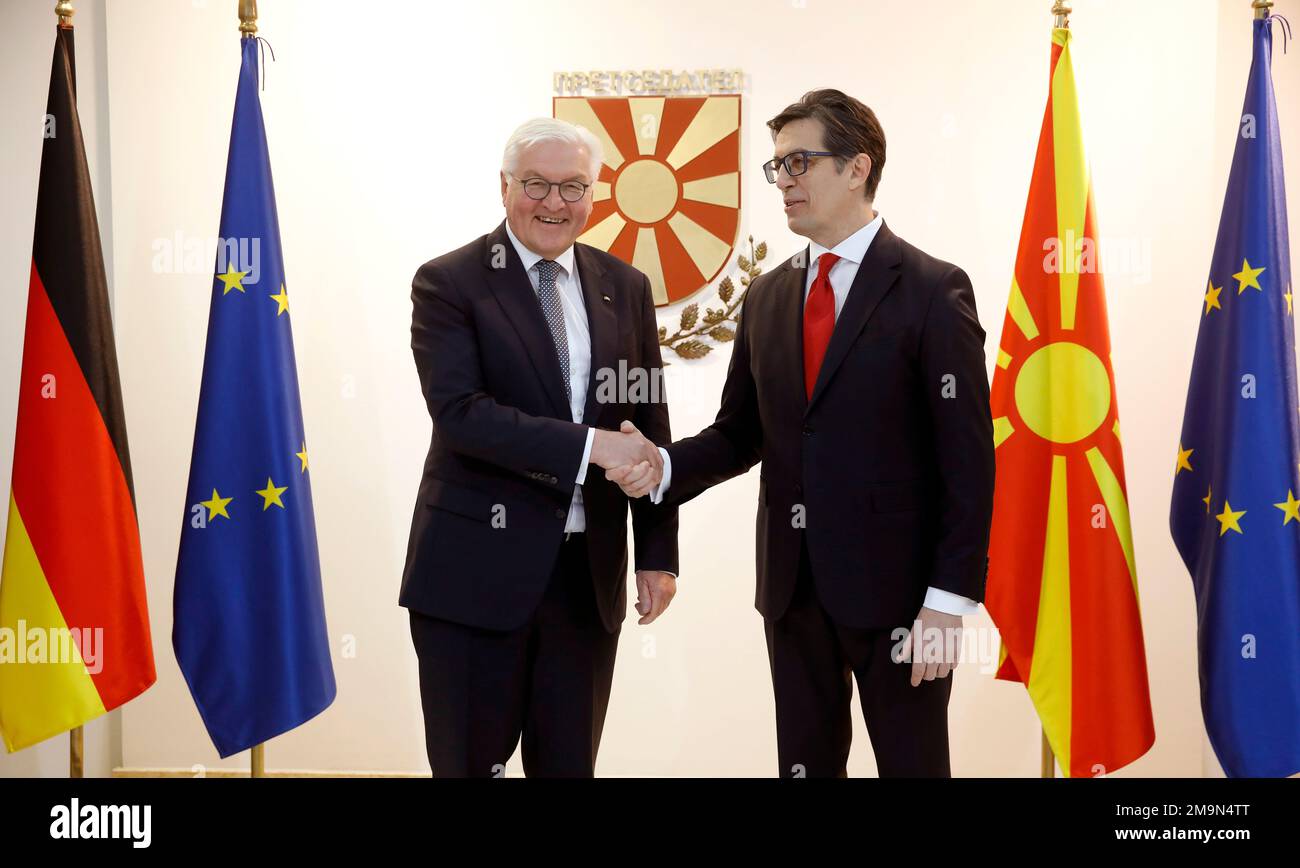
{"points": [[551, 130]]}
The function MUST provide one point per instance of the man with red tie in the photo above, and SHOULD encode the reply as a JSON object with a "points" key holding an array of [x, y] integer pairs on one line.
{"points": [[858, 380]]}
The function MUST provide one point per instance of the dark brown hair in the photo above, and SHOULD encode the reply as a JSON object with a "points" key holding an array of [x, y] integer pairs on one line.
{"points": [[851, 128]]}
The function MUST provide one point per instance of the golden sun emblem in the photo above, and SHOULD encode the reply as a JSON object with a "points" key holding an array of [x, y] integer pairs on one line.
{"points": [[668, 196]]}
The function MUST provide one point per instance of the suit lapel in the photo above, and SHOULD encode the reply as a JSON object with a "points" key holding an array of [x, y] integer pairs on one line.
{"points": [[514, 292], [788, 310], [602, 322], [876, 276]]}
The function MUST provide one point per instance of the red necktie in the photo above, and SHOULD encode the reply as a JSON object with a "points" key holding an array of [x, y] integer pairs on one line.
{"points": [[818, 320]]}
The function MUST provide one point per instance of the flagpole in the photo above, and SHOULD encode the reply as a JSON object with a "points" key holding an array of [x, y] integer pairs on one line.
{"points": [[76, 736], [76, 753], [1261, 8], [1061, 11], [248, 18], [248, 30], [1061, 14]]}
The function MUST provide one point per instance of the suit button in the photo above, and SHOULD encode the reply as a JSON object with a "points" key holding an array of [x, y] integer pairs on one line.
{"points": [[560, 513], [807, 430]]}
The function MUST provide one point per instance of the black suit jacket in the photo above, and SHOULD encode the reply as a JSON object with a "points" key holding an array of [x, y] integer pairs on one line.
{"points": [[888, 469], [499, 477]]}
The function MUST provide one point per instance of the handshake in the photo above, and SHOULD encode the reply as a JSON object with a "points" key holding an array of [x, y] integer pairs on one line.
{"points": [[629, 459]]}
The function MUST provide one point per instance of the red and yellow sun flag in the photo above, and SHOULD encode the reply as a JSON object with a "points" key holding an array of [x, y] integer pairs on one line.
{"points": [[74, 629], [1062, 584]]}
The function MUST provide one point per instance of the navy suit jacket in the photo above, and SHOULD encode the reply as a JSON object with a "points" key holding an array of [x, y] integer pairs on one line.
{"points": [[499, 476], [887, 471]]}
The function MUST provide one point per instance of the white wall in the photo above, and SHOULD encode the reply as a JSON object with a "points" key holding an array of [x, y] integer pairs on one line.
{"points": [[385, 137]]}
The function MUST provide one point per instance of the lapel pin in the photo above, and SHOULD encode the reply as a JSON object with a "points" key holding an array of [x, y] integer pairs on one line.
{"points": [[605, 297]]}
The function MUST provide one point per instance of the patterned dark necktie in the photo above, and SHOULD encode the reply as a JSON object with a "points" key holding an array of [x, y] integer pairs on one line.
{"points": [[549, 296]]}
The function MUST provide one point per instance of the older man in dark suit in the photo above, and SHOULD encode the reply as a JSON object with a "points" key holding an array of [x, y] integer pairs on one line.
{"points": [[516, 571]]}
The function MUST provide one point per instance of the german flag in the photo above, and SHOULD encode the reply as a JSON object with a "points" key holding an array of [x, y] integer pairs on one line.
{"points": [[74, 628], [1062, 584]]}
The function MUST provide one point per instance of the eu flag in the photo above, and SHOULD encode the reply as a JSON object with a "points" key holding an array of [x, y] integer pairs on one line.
{"points": [[1235, 516], [249, 629]]}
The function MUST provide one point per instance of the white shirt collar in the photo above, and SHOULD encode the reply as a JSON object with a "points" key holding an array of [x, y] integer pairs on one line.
{"points": [[529, 258], [853, 248]]}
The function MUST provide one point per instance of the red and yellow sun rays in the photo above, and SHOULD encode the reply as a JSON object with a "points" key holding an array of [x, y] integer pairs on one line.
{"points": [[1062, 583], [668, 197]]}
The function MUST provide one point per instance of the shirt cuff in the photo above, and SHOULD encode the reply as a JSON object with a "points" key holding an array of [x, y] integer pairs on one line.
{"points": [[586, 457], [950, 603], [657, 493]]}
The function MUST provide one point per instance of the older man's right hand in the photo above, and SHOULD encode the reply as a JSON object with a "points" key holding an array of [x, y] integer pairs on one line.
{"points": [[627, 448]]}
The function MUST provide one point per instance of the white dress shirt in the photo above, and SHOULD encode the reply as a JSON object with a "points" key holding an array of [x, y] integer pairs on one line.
{"points": [[578, 334], [851, 251]]}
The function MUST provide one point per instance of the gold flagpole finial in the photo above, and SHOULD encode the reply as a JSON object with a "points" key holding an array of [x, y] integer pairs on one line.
{"points": [[1061, 14], [248, 17], [1261, 7], [64, 10]]}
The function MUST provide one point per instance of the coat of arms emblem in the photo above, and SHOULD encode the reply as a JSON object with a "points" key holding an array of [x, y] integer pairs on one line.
{"points": [[668, 196]]}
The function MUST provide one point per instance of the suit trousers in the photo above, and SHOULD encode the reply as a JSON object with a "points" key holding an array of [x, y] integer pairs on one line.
{"points": [[547, 682], [814, 662]]}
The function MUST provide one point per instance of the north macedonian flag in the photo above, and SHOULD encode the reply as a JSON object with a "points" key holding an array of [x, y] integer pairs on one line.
{"points": [[249, 628], [74, 627], [1062, 584], [1234, 516]]}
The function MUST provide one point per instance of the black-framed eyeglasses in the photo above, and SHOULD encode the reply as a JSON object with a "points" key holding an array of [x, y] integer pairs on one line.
{"points": [[540, 188], [795, 163]]}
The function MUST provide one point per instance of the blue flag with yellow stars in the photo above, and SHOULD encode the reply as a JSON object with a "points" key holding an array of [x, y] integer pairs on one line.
{"points": [[249, 628], [1235, 516]]}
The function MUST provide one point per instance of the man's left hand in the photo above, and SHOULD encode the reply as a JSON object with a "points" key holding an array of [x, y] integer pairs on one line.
{"points": [[932, 645], [654, 591]]}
